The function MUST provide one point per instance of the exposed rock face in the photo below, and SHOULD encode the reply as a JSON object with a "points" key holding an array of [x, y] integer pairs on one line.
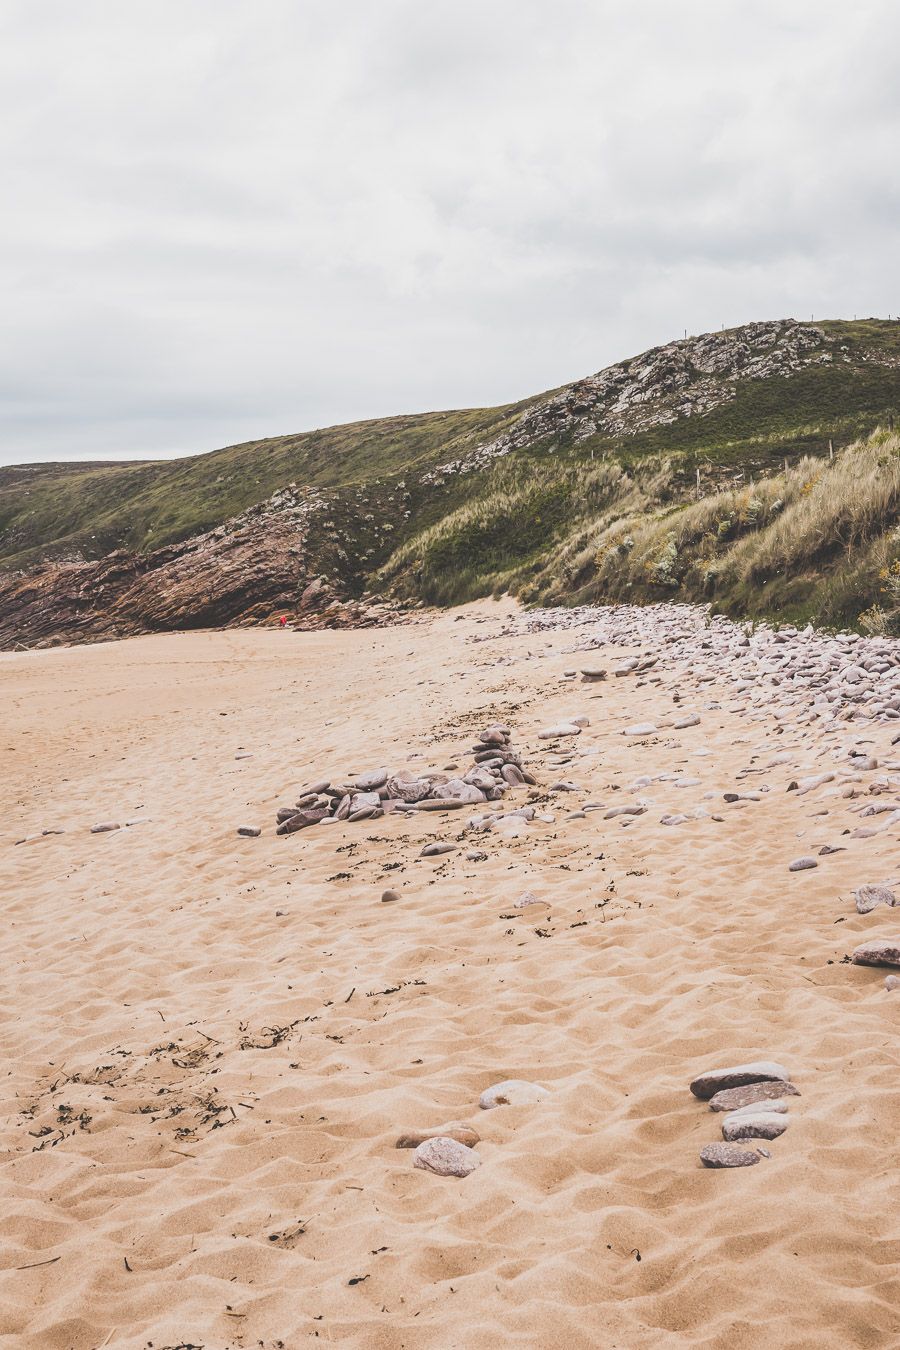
{"points": [[682, 379], [243, 572]]}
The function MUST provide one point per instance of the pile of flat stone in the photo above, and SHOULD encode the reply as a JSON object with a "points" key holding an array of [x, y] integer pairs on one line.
{"points": [[496, 768], [754, 1100]]}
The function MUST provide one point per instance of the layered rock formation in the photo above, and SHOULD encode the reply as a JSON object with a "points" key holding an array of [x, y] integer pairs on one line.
{"points": [[249, 570]]}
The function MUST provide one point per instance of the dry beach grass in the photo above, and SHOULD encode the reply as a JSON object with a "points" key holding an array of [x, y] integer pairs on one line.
{"points": [[211, 1044]]}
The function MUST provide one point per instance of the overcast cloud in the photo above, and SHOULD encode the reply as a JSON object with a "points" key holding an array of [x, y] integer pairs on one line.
{"points": [[224, 220]]}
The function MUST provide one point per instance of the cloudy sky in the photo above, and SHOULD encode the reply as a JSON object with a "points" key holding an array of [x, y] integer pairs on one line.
{"points": [[224, 219]]}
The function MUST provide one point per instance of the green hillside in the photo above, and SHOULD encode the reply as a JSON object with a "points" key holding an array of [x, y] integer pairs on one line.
{"points": [[588, 492]]}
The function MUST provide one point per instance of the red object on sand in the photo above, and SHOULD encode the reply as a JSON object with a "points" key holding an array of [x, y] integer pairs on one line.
{"points": [[283, 621]]}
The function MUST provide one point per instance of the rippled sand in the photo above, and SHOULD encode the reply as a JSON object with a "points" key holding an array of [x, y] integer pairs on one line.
{"points": [[204, 1072]]}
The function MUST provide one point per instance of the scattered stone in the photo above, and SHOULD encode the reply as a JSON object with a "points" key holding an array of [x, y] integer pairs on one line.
{"points": [[105, 826], [389, 897], [456, 1129], [739, 1075], [512, 1092], [878, 952], [592, 674], [759, 1125], [802, 864], [684, 722], [497, 768], [891, 982], [434, 850], [732, 1099], [446, 1157], [727, 1155], [640, 729], [249, 831]]}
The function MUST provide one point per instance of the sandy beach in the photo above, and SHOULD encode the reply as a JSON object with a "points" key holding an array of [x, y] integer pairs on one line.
{"points": [[211, 1043]]}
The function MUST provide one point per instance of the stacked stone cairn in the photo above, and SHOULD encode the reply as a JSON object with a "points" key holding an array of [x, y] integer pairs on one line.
{"points": [[496, 768], [754, 1098]]}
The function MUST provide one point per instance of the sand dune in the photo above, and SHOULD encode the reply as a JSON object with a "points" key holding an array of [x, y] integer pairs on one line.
{"points": [[210, 1043]]}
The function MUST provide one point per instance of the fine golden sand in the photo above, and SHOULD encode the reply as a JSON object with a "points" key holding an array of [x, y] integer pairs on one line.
{"points": [[210, 1044]]}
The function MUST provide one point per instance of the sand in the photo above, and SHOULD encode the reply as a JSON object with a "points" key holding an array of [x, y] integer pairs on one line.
{"points": [[210, 1043]]}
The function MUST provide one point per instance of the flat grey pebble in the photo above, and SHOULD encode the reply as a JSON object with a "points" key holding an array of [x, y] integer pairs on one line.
{"points": [[707, 1084], [761, 1125], [731, 1099], [727, 1155]]}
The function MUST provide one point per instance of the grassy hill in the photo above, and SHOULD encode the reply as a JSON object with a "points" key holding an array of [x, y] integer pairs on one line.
{"points": [[587, 492]]}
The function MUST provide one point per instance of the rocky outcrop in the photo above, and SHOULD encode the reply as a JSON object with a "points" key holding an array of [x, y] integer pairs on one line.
{"points": [[263, 563], [681, 379]]}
